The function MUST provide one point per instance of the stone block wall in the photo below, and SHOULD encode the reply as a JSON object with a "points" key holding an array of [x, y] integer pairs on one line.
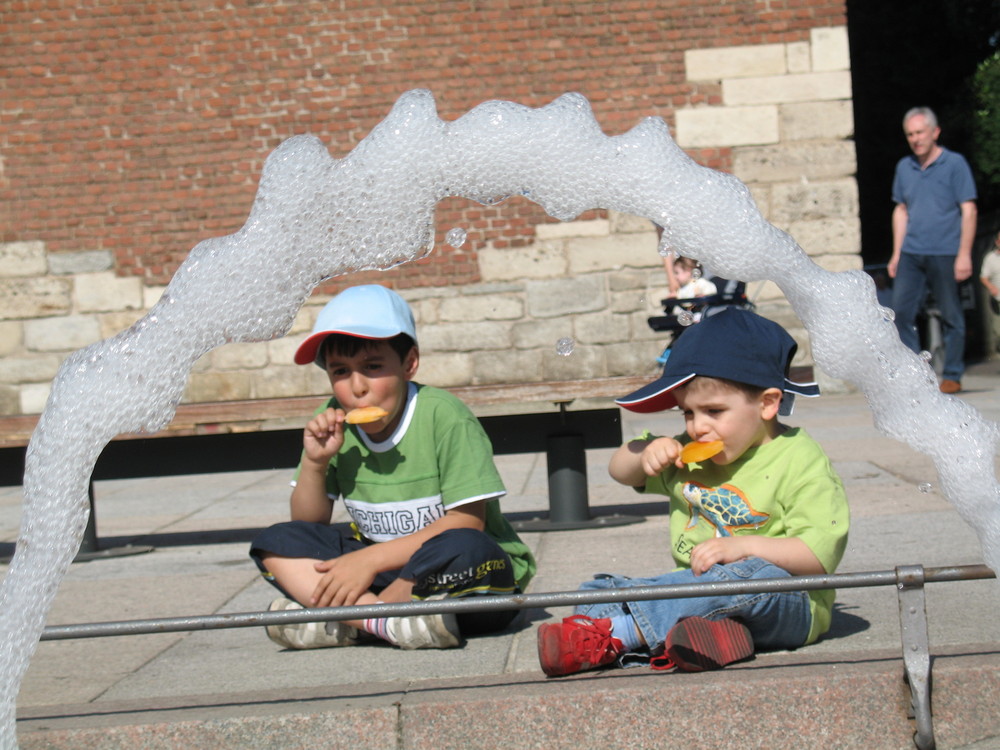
{"points": [[786, 114], [783, 118]]}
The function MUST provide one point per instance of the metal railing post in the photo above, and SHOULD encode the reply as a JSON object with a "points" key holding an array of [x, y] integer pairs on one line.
{"points": [[916, 651]]}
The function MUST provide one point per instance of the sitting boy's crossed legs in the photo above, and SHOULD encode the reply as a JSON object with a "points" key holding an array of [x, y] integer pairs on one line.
{"points": [[455, 563]]}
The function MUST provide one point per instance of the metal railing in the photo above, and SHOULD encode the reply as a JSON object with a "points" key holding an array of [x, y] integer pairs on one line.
{"points": [[909, 581]]}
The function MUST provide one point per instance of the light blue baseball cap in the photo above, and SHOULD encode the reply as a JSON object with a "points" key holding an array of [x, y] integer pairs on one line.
{"points": [[369, 311]]}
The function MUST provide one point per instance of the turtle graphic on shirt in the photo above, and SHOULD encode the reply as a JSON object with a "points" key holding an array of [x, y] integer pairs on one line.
{"points": [[724, 506]]}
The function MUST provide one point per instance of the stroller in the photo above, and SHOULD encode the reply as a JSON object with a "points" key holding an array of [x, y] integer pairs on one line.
{"points": [[729, 294]]}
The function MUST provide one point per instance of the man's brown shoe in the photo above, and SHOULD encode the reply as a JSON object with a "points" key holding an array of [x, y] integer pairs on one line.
{"points": [[950, 386]]}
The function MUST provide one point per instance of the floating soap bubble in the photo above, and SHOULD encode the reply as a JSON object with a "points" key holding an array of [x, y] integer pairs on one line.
{"points": [[685, 318], [564, 347], [925, 487], [926, 356], [455, 237], [695, 273], [888, 314]]}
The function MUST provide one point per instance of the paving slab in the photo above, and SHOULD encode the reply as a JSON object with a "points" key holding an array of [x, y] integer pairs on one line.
{"points": [[234, 688]]}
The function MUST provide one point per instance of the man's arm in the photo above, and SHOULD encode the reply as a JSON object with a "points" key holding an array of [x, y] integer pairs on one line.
{"points": [[668, 263], [963, 260], [900, 218], [668, 267]]}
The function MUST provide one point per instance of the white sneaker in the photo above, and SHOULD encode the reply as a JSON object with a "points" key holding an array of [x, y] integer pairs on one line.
{"points": [[424, 631], [309, 634]]}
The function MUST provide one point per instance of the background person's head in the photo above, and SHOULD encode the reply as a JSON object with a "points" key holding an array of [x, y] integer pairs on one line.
{"points": [[920, 125], [685, 268]]}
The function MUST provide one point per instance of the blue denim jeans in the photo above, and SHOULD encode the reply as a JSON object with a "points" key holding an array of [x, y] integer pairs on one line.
{"points": [[915, 274], [777, 620]]}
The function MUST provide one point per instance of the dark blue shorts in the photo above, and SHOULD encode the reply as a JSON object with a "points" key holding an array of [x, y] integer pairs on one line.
{"points": [[455, 563]]}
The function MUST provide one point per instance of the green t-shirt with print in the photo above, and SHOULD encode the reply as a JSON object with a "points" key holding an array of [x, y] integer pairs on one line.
{"points": [[783, 488], [438, 458]]}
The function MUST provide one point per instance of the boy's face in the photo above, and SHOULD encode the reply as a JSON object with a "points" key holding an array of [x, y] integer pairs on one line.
{"points": [[716, 411], [374, 376]]}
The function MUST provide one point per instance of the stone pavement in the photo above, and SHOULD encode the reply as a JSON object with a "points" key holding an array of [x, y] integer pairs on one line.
{"points": [[234, 688]]}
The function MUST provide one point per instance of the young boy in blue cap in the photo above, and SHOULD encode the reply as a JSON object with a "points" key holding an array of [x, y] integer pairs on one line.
{"points": [[418, 481], [767, 504]]}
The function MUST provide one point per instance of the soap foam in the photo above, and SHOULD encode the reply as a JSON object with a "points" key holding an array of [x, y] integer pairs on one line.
{"points": [[315, 217]]}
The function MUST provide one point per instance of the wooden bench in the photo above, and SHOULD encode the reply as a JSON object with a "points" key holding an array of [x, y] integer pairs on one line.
{"points": [[266, 434]]}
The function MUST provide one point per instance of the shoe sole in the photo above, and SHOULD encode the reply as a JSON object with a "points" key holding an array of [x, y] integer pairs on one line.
{"points": [[549, 650], [700, 645]]}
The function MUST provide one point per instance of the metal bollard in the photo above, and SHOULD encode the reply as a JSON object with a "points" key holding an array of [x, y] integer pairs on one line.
{"points": [[567, 466]]}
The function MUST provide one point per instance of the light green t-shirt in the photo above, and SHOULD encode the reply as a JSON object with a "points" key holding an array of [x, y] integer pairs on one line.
{"points": [[783, 488], [438, 458]]}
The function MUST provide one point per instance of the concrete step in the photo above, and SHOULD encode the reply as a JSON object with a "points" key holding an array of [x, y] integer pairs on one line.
{"points": [[782, 700]]}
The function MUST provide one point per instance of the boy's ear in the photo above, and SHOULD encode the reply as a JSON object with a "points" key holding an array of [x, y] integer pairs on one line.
{"points": [[410, 363], [770, 400]]}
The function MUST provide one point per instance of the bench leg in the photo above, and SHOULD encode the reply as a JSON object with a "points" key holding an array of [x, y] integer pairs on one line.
{"points": [[90, 546], [89, 543], [566, 461]]}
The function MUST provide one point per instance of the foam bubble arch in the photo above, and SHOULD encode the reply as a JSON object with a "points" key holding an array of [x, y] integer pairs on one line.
{"points": [[315, 217]]}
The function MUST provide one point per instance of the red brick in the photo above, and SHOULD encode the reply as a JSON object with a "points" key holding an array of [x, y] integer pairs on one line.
{"points": [[142, 126]]}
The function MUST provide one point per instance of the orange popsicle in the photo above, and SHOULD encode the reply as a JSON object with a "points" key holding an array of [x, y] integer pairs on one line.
{"points": [[695, 452], [365, 414]]}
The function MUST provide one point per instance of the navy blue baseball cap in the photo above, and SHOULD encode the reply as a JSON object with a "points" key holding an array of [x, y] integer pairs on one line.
{"points": [[733, 344]]}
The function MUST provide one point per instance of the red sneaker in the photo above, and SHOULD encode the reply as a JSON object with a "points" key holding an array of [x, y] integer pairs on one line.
{"points": [[695, 644], [576, 644]]}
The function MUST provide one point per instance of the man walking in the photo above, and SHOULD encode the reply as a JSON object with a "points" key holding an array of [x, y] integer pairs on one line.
{"points": [[933, 226]]}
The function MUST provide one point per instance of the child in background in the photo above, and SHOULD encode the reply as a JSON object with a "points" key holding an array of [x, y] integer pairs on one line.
{"points": [[768, 504], [419, 483], [689, 275], [989, 277]]}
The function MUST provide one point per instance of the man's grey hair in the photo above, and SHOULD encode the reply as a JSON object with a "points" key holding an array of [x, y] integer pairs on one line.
{"points": [[925, 111]]}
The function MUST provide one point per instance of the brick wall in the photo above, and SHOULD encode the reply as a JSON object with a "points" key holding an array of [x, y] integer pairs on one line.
{"points": [[132, 130]]}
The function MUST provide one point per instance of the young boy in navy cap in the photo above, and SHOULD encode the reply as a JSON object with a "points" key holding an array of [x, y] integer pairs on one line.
{"points": [[766, 504], [419, 484]]}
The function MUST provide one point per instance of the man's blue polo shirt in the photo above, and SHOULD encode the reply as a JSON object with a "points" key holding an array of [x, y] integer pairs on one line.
{"points": [[933, 197]]}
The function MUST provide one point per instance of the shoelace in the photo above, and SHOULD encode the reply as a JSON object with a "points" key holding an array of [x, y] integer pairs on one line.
{"points": [[590, 642], [661, 663]]}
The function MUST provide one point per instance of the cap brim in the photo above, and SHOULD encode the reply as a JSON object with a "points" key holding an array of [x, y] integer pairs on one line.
{"points": [[657, 396], [308, 349], [306, 353]]}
